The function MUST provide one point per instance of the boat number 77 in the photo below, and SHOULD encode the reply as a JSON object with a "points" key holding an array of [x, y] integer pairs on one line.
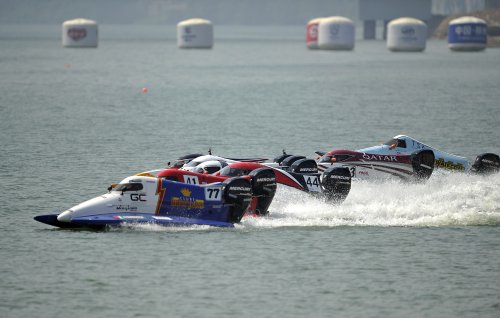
{"points": [[213, 193]]}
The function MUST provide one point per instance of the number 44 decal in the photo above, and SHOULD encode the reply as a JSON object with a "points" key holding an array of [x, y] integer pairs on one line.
{"points": [[312, 183]]}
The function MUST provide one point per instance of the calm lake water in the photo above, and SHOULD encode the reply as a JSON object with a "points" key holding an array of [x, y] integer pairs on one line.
{"points": [[73, 121]]}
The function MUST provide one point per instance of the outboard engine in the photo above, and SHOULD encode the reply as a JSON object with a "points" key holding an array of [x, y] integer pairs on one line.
{"points": [[336, 182], [288, 161], [184, 159], [423, 163], [264, 188], [304, 166], [486, 163], [238, 192], [280, 158]]}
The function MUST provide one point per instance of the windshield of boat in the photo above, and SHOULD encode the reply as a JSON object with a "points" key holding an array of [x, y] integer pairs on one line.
{"points": [[233, 172], [393, 143], [124, 187]]}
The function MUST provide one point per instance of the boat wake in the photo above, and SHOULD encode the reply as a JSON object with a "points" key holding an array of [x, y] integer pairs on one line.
{"points": [[444, 200]]}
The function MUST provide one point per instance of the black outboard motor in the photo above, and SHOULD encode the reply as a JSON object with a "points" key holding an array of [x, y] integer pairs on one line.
{"points": [[238, 192], [280, 158], [486, 163], [423, 164], [264, 188], [336, 183], [185, 159], [304, 166], [288, 161]]}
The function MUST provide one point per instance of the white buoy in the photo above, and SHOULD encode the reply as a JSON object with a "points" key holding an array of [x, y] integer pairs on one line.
{"points": [[407, 35], [79, 33], [467, 34], [312, 33], [195, 33], [336, 33]]}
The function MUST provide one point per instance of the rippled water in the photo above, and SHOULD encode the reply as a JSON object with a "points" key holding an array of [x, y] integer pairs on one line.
{"points": [[75, 121]]}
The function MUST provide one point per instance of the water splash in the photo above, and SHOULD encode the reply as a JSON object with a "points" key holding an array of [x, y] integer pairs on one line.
{"points": [[444, 200]]}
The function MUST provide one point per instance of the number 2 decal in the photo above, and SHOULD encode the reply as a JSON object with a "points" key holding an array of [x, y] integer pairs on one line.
{"points": [[213, 194], [312, 183]]}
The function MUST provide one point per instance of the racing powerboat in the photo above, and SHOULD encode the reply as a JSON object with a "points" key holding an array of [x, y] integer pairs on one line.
{"points": [[401, 144], [148, 199], [405, 158], [296, 172]]}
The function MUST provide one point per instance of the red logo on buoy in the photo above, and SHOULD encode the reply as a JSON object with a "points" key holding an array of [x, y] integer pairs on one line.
{"points": [[312, 32], [77, 34]]}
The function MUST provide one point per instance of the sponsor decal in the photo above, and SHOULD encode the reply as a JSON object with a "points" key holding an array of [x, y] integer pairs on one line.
{"points": [[312, 32], [334, 29], [137, 197], [188, 36], [308, 169], [187, 203], [333, 176], [241, 188], [489, 162], [185, 192], [126, 208], [268, 179], [450, 165], [367, 156], [77, 34], [408, 31], [128, 217]]}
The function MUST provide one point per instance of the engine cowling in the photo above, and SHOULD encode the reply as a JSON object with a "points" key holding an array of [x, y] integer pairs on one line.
{"points": [[263, 187], [288, 161], [336, 183], [423, 163], [238, 193], [486, 163], [280, 158], [304, 166]]}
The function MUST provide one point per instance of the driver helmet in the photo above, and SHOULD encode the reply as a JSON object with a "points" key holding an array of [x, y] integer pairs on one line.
{"points": [[209, 167]]}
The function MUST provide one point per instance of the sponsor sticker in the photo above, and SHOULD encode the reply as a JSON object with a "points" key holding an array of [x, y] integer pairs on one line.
{"points": [[186, 192], [187, 203], [368, 156], [127, 207], [450, 165], [77, 34]]}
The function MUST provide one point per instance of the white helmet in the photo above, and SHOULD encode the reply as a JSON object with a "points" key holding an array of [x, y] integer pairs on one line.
{"points": [[209, 167]]}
